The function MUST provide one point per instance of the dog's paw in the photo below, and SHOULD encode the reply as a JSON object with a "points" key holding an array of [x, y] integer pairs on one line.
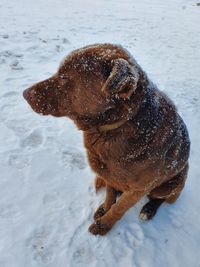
{"points": [[149, 210], [99, 228], [144, 216], [99, 212]]}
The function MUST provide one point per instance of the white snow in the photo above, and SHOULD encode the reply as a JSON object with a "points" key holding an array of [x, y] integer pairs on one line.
{"points": [[47, 197]]}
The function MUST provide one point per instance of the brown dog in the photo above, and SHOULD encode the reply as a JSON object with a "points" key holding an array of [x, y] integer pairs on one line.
{"points": [[136, 142]]}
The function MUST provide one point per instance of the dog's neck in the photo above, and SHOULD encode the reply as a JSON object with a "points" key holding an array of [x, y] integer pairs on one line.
{"points": [[129, 109], [112, 126]]}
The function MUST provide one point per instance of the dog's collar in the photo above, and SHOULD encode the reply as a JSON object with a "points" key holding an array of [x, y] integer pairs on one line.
{"points": [[109, 127]]}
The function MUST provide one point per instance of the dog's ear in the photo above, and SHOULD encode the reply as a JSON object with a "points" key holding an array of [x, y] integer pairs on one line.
{"points": [[122, 80]]}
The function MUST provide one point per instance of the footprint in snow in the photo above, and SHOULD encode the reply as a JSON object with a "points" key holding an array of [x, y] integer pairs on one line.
{"points": [[18, 160], [40, 246], [65, 41], [59, 48], [133, 235], [15, 65], [80, 250], [78, 209], [130, 235], [6, 54], [5, 36], [17, 126], [33, 140], [138, 235], [53, 200], [14, 57], [71, 158], [83, 255]]}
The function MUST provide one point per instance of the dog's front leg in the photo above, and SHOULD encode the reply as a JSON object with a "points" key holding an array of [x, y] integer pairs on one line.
{"points": [[105, 223], [111, 195], [99, 183]]}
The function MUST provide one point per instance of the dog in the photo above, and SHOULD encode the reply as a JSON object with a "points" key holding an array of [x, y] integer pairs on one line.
{"points": [[136, 142]]}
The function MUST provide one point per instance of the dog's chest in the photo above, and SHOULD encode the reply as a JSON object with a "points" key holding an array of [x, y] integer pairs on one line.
{"points": [[112, 158]]}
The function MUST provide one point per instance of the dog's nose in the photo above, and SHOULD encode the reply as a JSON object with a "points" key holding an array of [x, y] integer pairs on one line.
{"points": [[29, 95], [25, 94]]}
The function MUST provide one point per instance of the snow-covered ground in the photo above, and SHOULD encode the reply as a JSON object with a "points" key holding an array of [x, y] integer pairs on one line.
{"points": [[47, 197]]}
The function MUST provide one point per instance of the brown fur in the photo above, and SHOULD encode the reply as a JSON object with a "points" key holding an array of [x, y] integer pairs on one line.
{"points": [[146, 153]]}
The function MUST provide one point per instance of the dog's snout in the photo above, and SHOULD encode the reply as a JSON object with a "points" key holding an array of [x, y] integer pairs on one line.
{"points": [[25, 94], [29, 94]]}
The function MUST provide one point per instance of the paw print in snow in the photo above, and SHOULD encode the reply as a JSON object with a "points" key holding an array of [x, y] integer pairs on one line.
{"points": [[34, 139], [73, 159]]}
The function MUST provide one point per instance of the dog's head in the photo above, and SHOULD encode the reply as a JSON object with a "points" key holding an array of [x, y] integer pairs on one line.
{"points": [[88, 86]]}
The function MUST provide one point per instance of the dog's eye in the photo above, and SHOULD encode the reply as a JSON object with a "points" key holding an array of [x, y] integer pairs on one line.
{"points": [[63, 77], [84, 118]]}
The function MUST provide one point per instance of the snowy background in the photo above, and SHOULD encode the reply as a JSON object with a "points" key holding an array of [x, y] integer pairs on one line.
{"points": [[47, 197]]}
